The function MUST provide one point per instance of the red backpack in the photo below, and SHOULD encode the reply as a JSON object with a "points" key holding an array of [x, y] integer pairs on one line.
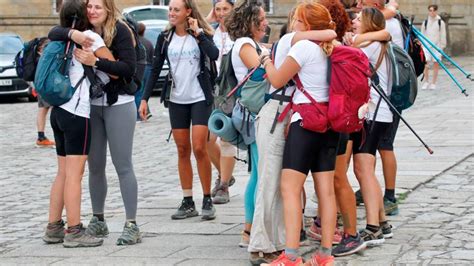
{"points": [[349, 88]]}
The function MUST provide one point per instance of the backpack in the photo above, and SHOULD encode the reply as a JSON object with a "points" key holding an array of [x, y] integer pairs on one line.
{"points": [[412, 44], [225, 82], [140, 51], [25, 60], [404, 79], [52, 73], [349, 88], [425, 24]]}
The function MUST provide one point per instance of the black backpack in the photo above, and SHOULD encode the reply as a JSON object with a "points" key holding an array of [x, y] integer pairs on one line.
{"points": [[140, 51], [225, 82], [27, 58], [425, 23], [412, 45]]}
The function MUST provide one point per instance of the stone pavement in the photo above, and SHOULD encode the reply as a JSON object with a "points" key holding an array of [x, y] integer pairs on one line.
{"points": [[434, 225]]}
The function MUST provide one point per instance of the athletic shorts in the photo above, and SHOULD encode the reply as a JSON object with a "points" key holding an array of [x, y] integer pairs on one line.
{"points": [[182, 115], [386, 143], [42, 103], [342, 144], [72, 133], [306, 150], [367, 140]]}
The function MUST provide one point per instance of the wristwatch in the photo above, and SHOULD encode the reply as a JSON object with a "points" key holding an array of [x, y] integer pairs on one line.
{"points": [[97, 59]]}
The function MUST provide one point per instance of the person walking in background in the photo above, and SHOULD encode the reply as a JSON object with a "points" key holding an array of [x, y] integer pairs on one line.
{"points": [[149, 61], [434, 29]]}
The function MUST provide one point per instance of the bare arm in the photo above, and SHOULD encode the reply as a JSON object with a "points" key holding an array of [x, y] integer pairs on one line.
{"points": [[314, 35], [279, 77], [381, 35], [249, 56]]}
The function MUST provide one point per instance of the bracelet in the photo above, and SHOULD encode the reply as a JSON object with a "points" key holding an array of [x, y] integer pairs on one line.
{"points": [[264, 58], [69, 35]]}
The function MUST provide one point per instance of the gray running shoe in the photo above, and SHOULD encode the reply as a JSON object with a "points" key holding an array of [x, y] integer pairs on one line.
{"points": [[185, 210], [208, 211], [372, 239], [386, 229], [217, 185], [54, 233], [97, 228], [130, 235], [77, 237], [391, 208], [222, 195]]}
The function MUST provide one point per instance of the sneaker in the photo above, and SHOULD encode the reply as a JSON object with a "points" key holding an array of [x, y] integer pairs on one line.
{"points": [[185, 210], [304, 241], [317, 260], [217, 184], [386, 230], [54, 233], [284, 260], [314, 232], [45, 143], [244, 240], [425, 86], [391, 208], [257, 258], [359, 198], [349, 245], [432, 86], [97, 228], [148, 116], [372, 239], [77, 237], [339, 220], [308, 221], [222, 195], [130, 235], [208, 211]]}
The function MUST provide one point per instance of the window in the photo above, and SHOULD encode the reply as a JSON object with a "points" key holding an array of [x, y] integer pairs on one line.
{"points": [[161, 2], [268, 6], [57, 6]]}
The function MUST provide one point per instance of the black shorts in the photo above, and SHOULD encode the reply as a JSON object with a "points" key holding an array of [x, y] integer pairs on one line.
{"points": [[386, 143], [342, 143], [72, 133], [306, 150], [370, 140], [182, 115]]}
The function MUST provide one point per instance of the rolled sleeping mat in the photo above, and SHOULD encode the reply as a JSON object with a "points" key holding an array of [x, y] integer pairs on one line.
{"points": [[221, 125]]}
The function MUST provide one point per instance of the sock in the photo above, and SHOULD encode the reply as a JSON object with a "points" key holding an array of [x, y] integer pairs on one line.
{"points": [[188, 200], [247, 232], [132, 221], [383, 223], [317, 221], [291, 253], [99, 216], [41, 135], [324, 252], [372, 228], [187, 193], [390, 194], [78, 226], [207, 196], [56, 223]]}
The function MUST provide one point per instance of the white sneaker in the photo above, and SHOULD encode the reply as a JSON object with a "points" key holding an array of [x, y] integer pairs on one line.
{"points": [[433, 87], [425, 86]]}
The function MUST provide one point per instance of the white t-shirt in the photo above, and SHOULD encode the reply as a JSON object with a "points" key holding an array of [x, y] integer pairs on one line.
{"points": [[185, 49], [223, 43], [283, 48], [313, 73], [76, 72], [384, 114], [394, 28], [239, 67]]}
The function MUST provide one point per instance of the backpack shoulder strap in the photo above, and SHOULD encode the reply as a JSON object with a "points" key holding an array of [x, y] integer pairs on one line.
{"points": [[439, 24], [259, 51], [425, 23], [300, 87]]}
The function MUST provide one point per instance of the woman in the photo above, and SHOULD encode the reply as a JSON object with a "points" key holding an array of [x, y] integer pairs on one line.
{"points": [[71, 126], [187, 44], [222, 156], [307, 150], [246, 26], [370, 20], [113, 116]]}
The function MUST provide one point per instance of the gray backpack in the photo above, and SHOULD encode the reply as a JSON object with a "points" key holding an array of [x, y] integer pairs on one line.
{"points": [[404, 79]]}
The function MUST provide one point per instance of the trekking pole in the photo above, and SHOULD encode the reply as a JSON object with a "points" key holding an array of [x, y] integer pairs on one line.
{"points": [[444, 67], [419, 34], [385, 98]]}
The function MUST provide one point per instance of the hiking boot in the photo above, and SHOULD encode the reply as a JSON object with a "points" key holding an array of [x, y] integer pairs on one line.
{"points": [[208, 211], [372, 239], [391, 208], [284, 260], [130, 235], [222, 195], [317, 260], [45, 143], [217, 185], [257, 258], [77, 237], [54, 233], [185, 210], [386, 230], [245, 239], [315, 231], [359, 198], [304, 241], [349, 245], [97, 228]]}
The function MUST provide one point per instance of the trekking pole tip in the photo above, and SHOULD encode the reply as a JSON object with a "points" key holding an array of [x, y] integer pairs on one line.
{"points": [[469, 77], [429, 150], [465, 93]]}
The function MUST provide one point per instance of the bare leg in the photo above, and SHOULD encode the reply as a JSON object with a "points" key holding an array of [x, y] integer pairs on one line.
{"points": [[327, 206], [214, 151], [199, 135], [73, 187], [56, 197], [435, 72], [183, 144]]}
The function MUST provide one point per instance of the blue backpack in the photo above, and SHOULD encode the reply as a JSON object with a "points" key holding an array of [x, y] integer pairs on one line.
{"points": [[52, 73]]}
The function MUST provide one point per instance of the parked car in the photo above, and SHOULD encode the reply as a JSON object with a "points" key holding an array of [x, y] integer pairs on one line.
{"points": [[155, 19], [10, 84]]}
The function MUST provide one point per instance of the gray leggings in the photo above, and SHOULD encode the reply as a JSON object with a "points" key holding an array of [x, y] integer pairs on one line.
{"points": [[115, 125]]}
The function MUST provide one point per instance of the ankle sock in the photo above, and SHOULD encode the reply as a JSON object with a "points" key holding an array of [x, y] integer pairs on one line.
{"points": [[372, 228], [78, 226], [188, 200], [100, 217], [132, 221], [390, 195], [383, 223], [324, 252], [41, 135], [291, 253], [207, 196], [247, 232], [187, 193]]}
